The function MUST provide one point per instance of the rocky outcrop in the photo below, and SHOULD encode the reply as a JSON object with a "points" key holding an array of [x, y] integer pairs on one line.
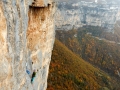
{"points": [[74, 15], [26, 41]]}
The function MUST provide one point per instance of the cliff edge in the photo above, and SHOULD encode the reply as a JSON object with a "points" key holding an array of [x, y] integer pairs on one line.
{"points": [[26, 41]]}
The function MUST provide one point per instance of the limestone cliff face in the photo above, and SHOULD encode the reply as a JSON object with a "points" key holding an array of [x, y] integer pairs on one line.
{"points": [[74, 15], [26, 42]]}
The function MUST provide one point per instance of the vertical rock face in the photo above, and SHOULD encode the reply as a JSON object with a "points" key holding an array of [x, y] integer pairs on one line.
{"points": [[26, 42], [4, 66]]}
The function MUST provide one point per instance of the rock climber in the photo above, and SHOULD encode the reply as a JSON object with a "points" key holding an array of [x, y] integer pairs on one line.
{"points": [[33, 76]]}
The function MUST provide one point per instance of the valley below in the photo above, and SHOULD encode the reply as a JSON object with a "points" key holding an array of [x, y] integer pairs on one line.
{"points": [[81, 60], [86, 53]]}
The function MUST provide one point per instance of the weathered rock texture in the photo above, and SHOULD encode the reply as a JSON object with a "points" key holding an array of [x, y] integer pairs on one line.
{"points": [[26, 35]]}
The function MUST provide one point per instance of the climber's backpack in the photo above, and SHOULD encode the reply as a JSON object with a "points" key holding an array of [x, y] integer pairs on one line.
{"points": [[28, 72]]}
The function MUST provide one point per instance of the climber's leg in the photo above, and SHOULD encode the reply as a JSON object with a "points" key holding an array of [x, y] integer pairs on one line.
{"points": [[32, 79]]}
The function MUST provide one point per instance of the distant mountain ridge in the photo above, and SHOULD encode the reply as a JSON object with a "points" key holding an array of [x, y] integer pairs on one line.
{"points": [[81, 13], [116, 1]]}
